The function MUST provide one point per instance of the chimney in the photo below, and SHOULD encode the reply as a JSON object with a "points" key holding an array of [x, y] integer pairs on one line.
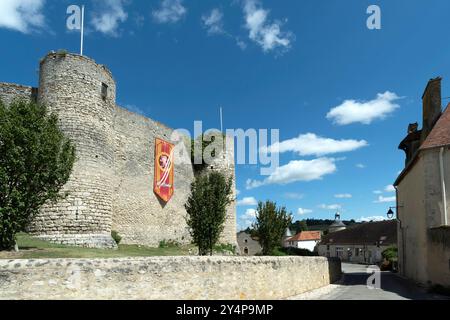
{"points": [[431, 106]]}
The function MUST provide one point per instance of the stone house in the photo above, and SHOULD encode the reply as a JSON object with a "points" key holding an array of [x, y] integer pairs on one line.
{"points": [[304, 240], [422, 194], [362, 243], [248, 245]]}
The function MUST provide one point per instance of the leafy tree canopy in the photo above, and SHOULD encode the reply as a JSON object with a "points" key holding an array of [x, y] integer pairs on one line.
{"points": [[271, 223], [206, 208], [36, 160]]}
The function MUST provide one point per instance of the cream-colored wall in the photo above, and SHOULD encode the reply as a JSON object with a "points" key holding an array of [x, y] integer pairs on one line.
{"points": [[367, 254], [421, 209], [439, 263], [434, 204], [411, 212]]}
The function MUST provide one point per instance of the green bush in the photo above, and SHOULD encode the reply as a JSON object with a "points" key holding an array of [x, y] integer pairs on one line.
{"points": [[203, 142], [298, 252], [168, 244], [225, 248], [62, 52], [115, 235], [390, 256], [278, 252]]}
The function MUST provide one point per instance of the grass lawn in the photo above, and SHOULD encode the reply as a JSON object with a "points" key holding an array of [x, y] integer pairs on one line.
{"points": [[31, 248]]}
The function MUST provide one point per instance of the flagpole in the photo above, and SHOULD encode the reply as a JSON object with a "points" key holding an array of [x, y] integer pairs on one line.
{"points": [[82, 29], [221, 120]]}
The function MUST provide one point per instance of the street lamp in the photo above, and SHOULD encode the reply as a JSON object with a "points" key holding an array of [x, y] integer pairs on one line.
{"points": [[390, 214]]}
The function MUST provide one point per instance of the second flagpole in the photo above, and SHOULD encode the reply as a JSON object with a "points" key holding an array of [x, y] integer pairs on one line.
{"points": [[82, 29]]}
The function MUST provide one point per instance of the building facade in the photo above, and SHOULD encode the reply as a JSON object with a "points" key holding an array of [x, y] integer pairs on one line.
{"points": [[248, 245], [111, 187], [304, 240], [423, 194], [363, 243]]}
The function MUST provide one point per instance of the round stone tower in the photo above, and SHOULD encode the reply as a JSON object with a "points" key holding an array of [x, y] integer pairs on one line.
{"points": [[82, 93]]}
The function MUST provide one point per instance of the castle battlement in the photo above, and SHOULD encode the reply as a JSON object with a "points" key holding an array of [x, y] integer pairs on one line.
{"points": [[111, 187]]}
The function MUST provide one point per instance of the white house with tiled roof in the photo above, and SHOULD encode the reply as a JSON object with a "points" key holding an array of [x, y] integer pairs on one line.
{"points": [[304, 240]]}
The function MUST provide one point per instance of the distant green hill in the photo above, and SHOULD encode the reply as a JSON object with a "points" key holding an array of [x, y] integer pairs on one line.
{"points": [[317, 224]]}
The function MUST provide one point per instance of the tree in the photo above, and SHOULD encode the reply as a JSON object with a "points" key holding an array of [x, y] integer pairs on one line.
{"points": [[299, 226], [271, 223], [303, 226], [206, 208], [36, 160]]}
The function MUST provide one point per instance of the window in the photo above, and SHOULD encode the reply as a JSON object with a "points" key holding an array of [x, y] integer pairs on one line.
{"points": [[246, 251], [339, 252], [104, 91], [356, 252], [246, 240]]}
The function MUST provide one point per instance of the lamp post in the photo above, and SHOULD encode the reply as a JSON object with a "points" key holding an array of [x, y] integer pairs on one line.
{"points": [[390, 214]]}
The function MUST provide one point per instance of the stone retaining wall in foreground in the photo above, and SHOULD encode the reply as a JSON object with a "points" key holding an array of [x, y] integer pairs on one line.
{"points": [[177, 278]]}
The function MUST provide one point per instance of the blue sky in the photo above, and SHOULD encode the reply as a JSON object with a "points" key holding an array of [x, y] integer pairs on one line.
{"points": [[311, 69]]}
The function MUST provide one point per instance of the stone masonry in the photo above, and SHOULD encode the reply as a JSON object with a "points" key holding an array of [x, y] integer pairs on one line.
{"points": [[111, 187], [172, 278]]}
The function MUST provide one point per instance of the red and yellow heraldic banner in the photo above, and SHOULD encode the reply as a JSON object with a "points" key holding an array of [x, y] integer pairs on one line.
{"points": [[164, 170]]}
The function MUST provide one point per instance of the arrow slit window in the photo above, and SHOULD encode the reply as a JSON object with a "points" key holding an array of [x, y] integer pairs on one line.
{"points": [[104, 91]]}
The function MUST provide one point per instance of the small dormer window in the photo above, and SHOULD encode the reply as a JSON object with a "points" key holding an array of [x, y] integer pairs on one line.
{"points": [[104, 91]]}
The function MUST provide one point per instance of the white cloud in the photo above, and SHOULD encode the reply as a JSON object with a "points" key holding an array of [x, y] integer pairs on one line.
{"points": [[268, 35], [250, 213], [108, 18], [387, 189], [22, 15], [213, 21], [302, 211], [361, 166], [310, 144], [238, 192], [373, 218], [247, 219], [330, 206], [299, 170], [247, 201], [343, 196], [382, 199], [294, 195], [241, 44], [170, 11], [365, 112]]}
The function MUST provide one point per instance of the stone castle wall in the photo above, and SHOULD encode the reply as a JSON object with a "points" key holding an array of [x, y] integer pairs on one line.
{"points": [[169, 278], [10, 92], [138, 214], [71, 86], [111, 187]]}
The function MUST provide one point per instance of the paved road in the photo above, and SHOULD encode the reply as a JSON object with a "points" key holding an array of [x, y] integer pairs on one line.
{"points": [[353, 286]]}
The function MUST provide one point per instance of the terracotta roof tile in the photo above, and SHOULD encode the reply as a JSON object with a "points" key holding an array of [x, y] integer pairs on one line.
{"points": [[440, 134], [306, 236]]}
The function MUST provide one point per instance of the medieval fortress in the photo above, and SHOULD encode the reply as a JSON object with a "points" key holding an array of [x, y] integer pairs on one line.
{"points": [[111, 187]]}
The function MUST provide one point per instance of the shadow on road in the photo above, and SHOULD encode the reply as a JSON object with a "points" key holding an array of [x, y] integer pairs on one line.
{"points": [[357, 276]]}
